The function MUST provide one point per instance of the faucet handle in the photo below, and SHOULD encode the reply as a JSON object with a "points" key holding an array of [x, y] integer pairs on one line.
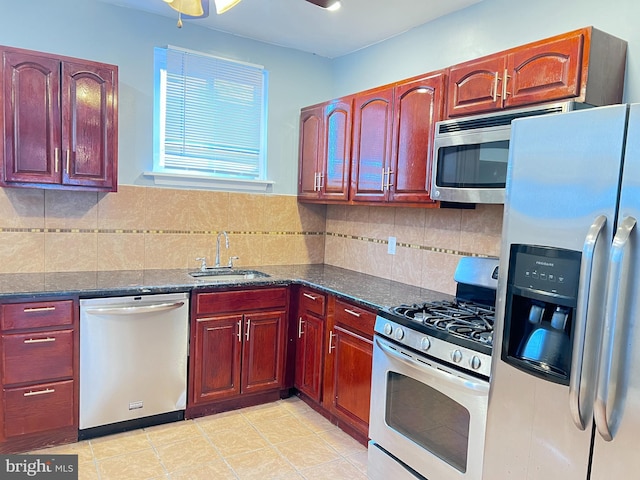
{"points": [[203, 264], [231, 259]]}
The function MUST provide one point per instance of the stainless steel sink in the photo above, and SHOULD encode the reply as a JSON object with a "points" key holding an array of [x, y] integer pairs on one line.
{"points": [[227, 274]]}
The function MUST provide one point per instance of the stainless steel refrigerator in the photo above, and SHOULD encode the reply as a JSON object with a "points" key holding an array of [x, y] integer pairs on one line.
{"points": [[565, 382]]}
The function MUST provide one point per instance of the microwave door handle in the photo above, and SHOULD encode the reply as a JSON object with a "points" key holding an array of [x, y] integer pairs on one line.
{"points": [[594, 235], [606, 418]]}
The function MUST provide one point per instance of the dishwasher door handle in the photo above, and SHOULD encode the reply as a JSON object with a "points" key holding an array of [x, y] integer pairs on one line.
{"points": [[122, 310]]}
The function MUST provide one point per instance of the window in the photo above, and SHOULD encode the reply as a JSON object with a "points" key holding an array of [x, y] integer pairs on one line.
{"points": [[209, 118]]}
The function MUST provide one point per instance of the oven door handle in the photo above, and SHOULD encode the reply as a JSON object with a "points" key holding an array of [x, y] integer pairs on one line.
{"points": [[462, 383]]}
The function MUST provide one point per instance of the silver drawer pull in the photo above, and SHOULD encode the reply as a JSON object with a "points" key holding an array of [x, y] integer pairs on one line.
{"points": [[40, 340], [39, 309], [351, 312], [310, 296], [31, 393]]}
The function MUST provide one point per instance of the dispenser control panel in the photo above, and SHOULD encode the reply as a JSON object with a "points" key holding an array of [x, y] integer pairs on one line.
{"points": [[546, 269]]}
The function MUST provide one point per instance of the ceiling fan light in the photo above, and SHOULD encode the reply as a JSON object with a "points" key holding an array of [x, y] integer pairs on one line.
{"points": [[334, 6], [330, 5], [225, 5], [193, 8]]}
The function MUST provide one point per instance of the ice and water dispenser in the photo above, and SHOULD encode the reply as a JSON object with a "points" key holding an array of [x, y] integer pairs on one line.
{"points": [[542, 291]]}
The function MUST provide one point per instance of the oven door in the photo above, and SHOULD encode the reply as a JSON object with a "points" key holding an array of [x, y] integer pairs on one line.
{"points": [[424, 416]]}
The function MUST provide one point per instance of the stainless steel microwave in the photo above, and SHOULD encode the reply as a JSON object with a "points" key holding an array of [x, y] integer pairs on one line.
{"points": [[470, 154]]}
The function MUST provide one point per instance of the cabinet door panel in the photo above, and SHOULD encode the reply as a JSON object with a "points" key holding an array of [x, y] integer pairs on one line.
{"points": [[309, 356], [32, 118], [371, 144], [311, 151], [334, 178], [476, 87], [418, 106], [352, 381], [548, 72], [264, 351], [217, 358], [88, 119]]}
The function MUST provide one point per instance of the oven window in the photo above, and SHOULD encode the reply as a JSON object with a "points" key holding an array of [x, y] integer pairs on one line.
{"points": [[479, 165], [428, 418]]}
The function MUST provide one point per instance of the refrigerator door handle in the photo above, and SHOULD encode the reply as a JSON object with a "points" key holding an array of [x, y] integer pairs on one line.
{"points": [[605, 418], [578, 414]]}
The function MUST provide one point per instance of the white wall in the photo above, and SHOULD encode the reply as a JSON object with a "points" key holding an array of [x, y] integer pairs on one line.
{"points": [[484, 28], [97, 31]]}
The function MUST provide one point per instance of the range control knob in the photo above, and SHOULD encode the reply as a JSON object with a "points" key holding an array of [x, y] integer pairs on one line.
{"points": [[425, 343], [475, 362], [399, 334], [388, 329], [456, 356]]}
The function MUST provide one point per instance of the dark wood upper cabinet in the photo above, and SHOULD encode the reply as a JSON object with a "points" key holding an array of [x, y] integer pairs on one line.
{"points": [[325, 151], [372, 133], [418, 105], [59, 126], [586, 65]]}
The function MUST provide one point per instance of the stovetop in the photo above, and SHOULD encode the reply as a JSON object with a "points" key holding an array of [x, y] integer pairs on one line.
{"points": [[459, 323], [458, 318]]}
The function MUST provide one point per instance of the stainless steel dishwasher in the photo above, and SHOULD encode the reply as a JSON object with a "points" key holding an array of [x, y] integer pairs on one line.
{"points": [[133, 362]]}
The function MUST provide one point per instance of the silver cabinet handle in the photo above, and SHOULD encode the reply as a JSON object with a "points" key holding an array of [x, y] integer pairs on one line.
{"points": [[56, 156], [351, 312], [320, 181], [31, 393], [382, 181], [505, 79], [248, 329], [300, 323], [38, 309], [331, 345], [68, 160], [594, 234], [389, 184], [119, 310], [495, 87], [311, 297], [39, 340], [607, 419], [240, 331], [315, 182]]}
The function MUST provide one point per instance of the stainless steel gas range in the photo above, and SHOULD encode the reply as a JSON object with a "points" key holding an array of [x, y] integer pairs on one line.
{"points": [[430, 381]]}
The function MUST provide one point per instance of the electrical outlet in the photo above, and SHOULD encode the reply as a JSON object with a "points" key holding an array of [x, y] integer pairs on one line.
{"points": [[391, 249]]}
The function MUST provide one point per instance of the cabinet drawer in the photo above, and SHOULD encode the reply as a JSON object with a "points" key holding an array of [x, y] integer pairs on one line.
{"points": [[36, 314], [35, 357], [313, 302], [356, 318], [38, 408], [240, 300]]}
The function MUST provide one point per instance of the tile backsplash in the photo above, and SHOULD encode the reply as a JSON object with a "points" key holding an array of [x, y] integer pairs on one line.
{"points": [[429, 241], [147, 228], [153, 228]]}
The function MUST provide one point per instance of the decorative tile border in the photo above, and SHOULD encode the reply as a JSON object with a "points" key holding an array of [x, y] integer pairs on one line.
{"points": [[406, 245], [154, 231]]}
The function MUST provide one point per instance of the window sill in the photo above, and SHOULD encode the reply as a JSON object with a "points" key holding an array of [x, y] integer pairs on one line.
{"points": [[202, 181]]}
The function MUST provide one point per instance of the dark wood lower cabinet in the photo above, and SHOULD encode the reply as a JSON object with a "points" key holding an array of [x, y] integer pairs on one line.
{"points": [[238, 349], [352, 377], [38, 372]]}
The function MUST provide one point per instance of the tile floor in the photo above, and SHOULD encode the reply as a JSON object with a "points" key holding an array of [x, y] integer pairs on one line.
{"points": [[284, 440]]}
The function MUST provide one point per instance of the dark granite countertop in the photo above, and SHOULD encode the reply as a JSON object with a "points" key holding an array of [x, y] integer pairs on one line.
{"points": [[367, 290]]}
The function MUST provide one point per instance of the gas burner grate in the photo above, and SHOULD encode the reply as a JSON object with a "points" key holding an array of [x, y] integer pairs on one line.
{"points": [[462, 319]]}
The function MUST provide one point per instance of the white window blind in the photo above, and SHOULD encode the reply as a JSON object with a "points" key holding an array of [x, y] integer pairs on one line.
{"points": [[210, 116]]}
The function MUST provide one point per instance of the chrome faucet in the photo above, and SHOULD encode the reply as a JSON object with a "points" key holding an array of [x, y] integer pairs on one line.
{"points": [[226, 237]]}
